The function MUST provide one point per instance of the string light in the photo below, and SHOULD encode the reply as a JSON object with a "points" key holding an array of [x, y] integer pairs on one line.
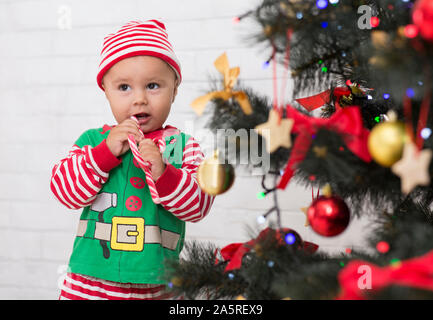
{"points": [[395, 263], [324, 24], [425, 133], [386, 96], [322, 4], [299, 15], [261, 219], [411, 31], [374, 22], [382, 246], [290, 238], [237, 19], [261, 195], [410, 93]]}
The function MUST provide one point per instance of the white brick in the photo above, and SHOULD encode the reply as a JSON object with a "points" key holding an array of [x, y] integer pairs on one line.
{"points": [[31, 274], [19, 187], [20, 244], [57, 246], [44, 216], [5, 213], [27, 293]]}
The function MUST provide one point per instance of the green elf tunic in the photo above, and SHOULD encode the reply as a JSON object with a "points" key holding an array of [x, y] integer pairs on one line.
{"points": [[124, 236]]}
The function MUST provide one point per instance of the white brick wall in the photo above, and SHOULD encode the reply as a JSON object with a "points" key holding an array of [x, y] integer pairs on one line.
{"points": [[49, 96]]}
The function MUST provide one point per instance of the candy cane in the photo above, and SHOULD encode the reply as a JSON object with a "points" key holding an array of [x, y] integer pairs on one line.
{"points": [[145, 165]]}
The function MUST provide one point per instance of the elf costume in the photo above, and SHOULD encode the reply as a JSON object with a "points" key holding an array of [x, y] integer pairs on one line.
{"points": [[123, 237]]}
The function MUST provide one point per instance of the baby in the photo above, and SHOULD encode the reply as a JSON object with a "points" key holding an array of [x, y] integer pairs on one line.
{"points": [[124, 235]]}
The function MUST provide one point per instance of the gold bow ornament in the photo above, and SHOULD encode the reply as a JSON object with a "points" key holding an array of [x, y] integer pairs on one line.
{"points": [[230, 77]]}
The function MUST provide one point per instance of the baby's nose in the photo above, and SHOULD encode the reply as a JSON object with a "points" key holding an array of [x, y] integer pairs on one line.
{"points": [[140, 97]]}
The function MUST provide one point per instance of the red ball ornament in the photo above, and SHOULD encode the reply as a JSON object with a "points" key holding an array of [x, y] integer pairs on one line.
{"points": [[328, 216], [422, 16]]}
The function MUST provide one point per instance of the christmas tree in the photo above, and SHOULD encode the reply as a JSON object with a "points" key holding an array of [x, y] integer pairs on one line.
{"points": [[366, 68]]}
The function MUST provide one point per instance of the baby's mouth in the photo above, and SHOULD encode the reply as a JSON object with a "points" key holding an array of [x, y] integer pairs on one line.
{"points": [[142, 117]]}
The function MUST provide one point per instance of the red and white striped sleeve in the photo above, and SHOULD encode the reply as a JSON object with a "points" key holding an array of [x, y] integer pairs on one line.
{"points": [[179, 190], [77, 179]]}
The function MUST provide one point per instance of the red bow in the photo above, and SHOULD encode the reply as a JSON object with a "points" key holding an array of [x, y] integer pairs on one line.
{"points": [[347, 121], [234, 252], [415, 272]]}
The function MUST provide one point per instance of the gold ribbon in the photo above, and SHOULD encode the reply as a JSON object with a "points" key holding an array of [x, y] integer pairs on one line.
{"points": [[230, 77]]}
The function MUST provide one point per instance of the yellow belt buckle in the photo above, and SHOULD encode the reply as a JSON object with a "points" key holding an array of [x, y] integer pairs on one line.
{"points": [[123, 232]]}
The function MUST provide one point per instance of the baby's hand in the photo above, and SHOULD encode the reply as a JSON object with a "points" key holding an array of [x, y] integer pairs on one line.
{"points": [[150, 152], [117, 140]]}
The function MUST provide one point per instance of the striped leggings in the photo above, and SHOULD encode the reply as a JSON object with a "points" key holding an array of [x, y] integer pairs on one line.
{"points": [[81, 287]]}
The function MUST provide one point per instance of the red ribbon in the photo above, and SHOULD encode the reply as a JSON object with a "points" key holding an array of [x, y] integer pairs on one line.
{"points": [[416, 272], [234, 252], [347, 121], [422, 120], [318, 100]]}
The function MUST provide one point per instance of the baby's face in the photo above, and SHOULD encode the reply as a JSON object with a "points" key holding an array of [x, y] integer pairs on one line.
{"points": [[141, 86]]}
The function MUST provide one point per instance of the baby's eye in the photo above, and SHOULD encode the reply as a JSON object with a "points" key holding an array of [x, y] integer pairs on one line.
{"points": [[123, 87], [153, 85]]}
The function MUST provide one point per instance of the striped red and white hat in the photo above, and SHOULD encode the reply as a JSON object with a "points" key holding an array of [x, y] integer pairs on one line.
{"points": [[137, 38]]}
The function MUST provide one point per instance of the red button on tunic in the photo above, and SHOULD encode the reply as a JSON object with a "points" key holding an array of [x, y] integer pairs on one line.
{"points": [[133, 203], [135, 162], [137, 182]]}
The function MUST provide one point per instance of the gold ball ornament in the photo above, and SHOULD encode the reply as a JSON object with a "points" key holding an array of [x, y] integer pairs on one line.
{"points": [[386, 142], [214, 177]]}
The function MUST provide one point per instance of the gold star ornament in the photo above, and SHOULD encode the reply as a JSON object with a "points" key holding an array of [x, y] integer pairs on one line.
{"points": [[413, 168], [276, 134]]}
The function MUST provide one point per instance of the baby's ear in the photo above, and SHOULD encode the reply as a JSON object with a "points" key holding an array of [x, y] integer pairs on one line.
{"points": [[105, 89], [176, 85]]}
